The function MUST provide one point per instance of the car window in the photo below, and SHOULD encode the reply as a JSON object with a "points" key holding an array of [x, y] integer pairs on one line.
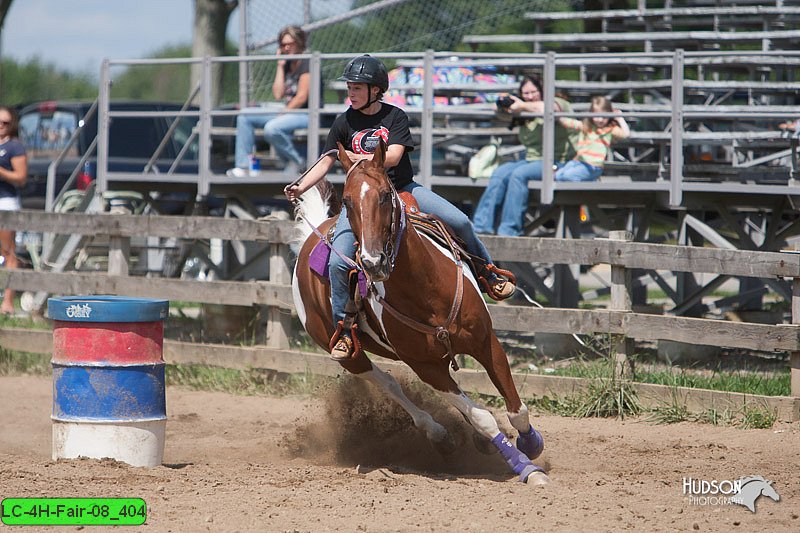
{"points": [[182, 134], [47, 134], [139, 137], [134, 137]]}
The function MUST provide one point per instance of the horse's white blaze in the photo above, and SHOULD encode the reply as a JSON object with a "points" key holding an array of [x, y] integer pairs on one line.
{"points": [[364, 189], [422, 419], [298, 300], [480, 418], [367, 257]]}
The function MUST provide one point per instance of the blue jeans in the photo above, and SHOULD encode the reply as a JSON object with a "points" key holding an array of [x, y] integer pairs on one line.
{"points": [[278, 130], [345, 241], [507, 191], [579, 171]]}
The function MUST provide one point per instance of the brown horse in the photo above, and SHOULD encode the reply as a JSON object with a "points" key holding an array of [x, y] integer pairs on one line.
{"points": [[421, 307]]}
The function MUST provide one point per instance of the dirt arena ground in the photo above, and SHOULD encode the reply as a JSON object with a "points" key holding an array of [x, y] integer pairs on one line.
{"points": [[350, 461]]}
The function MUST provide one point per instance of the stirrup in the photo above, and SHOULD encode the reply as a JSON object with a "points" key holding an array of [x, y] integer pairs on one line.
{"points": [[502, 289], [499, 288], [344, 349]]}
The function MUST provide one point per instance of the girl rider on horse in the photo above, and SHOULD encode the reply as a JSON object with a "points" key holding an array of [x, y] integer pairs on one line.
{"points": [[359, 130]]}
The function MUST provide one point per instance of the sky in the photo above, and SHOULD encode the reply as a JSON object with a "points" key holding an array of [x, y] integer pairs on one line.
{"points": [[76, 35]]}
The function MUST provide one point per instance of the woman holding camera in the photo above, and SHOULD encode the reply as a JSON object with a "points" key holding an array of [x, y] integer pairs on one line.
{"points": [[508, 186]]}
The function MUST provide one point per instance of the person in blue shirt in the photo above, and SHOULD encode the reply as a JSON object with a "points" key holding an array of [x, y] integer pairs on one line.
{"points": [[13, 173]]}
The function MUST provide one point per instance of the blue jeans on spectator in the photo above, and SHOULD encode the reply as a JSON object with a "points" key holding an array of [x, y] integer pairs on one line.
{"points": [[345, 241], [278, 130], [507, 191], [579, 171]]}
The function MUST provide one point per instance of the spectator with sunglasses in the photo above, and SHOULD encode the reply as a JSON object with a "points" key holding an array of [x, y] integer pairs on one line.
{"points": [[290, 89], [13, 173]]}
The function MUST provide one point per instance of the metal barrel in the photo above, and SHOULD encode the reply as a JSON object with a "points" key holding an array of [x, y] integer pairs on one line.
{"points": [[108, 378]]}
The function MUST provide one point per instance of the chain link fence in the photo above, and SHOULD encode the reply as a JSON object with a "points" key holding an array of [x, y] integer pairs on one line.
{"points": [[378, 26]]}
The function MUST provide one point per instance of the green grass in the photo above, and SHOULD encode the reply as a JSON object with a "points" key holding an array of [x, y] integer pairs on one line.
{"points": [[759, 383], [15, 363], [244, 382]]}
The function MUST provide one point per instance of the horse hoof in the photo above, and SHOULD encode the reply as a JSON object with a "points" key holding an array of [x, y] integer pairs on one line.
{"points": [[483, 445], [531, 443], [537, 479], [445, 446]]}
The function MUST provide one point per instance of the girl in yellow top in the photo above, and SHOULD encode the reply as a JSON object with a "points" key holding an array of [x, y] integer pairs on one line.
{"points": [[595, 137]]}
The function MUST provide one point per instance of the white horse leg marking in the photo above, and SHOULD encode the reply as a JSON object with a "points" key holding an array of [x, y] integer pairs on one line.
{"points": [[480, 418], [298, 300], [422, 420], [520, 420]]}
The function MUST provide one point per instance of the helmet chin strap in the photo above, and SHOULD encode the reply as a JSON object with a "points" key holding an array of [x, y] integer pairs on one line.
{"points": [[370, 101]]}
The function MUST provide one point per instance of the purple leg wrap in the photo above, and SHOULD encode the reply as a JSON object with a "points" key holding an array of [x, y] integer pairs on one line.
{"points": [[531, 443], [517, 460]]}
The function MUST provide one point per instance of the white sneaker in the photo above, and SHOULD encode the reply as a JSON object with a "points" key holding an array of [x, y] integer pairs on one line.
{"points": [[237, 172]]}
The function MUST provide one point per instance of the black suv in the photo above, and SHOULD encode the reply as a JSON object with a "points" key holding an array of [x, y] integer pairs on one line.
{"points": [[46, 127]]}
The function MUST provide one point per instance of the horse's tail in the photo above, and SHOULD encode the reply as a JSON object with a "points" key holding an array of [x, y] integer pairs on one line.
{"points": [[315, 206]]}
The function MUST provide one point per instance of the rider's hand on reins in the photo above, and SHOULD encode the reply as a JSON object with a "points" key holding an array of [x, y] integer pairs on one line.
{"points": [[292, 192]]}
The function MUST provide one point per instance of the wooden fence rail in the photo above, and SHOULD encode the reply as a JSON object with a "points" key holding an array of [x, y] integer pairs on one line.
{"points": [[617, 251]]}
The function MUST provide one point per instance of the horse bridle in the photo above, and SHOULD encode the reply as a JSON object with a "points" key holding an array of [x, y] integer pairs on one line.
{"points": [[392, 245]]}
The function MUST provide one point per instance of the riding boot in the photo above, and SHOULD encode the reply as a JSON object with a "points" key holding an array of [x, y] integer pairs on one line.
{"points": [[497, 287], [343, 349]]}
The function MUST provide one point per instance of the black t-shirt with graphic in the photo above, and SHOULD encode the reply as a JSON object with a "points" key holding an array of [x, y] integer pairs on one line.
{"points": [[359, 133]]}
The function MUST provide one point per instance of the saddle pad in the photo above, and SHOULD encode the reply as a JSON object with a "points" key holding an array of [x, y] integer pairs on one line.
{"points": [[319, 263], [319, 258]]}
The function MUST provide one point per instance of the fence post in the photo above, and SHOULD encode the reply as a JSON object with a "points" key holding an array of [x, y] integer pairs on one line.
{"points": [[119, 253], [794, 357], [621, 300], [279, 321]]}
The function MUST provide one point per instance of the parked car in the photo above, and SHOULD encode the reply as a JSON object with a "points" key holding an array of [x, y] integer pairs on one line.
{"points": [[46, 127]]}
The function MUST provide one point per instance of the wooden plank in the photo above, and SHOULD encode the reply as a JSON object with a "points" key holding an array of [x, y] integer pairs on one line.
{"points": [[528, 385], [218, 292], [149, 225], [644, 255], [555, 320], [713, 332], [27, 340]]}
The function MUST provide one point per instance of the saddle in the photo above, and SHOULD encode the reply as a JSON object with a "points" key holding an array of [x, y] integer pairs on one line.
{"points": [[432, 227]]}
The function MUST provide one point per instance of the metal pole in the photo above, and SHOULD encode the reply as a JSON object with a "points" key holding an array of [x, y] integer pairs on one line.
{"points": [[548, 142], [244, 66], [103, 106], [204, 162], [314, 106], [676, 149], [426, 144]]}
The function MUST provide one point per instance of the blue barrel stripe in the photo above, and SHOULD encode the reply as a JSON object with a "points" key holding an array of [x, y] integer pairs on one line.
{"points": [[110, 394], [107, 309]]}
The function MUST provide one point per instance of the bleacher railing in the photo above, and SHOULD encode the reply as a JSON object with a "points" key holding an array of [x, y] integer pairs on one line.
{"points": [[672, 65]]}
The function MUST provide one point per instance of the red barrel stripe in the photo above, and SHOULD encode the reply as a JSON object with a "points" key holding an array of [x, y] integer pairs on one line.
{"points": [[112, 342]]}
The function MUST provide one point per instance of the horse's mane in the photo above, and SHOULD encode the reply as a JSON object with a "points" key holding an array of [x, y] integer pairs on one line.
{"points": [[315, 206]]}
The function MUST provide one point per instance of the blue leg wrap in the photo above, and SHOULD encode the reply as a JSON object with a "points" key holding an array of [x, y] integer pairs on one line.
{"points": [[531, 443], [517, 460]]}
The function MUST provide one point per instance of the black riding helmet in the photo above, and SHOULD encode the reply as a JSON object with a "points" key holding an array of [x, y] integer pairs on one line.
{"points": [[369, 70]]}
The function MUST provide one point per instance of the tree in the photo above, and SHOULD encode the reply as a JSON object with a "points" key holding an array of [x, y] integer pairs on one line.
{"points": [[208, 38], [5, 5]]}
